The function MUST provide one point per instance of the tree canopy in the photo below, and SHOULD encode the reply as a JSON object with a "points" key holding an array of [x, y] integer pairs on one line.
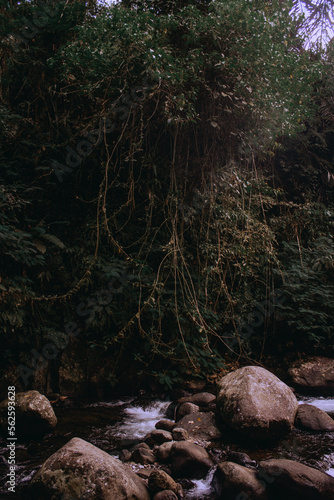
{"points": [[183, 149]]}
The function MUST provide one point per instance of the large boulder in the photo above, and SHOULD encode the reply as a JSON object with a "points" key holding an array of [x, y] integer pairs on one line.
{"points": [[314, 376], [81, 470], [190, 460], [34, 414], [255, 402], [289, 479], [311, 418], [200, 425], [232, 481]]}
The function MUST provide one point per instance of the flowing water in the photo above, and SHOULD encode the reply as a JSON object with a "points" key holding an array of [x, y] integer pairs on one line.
{"points": [[327, 405], [202, 487], [120, 424]]}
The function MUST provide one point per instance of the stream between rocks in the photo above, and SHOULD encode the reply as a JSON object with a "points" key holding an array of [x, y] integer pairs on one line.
{"points": [[119, 424]]}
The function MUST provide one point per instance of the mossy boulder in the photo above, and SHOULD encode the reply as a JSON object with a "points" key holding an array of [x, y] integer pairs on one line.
{"points": [[81, 470], [256, 403], [34, 414]]}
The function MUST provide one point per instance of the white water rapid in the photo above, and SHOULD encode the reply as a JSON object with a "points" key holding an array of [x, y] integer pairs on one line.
{"points": [[139, 421]]}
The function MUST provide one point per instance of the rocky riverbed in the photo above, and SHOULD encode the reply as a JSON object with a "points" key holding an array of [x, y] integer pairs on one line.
{"points": [[143, 434]]}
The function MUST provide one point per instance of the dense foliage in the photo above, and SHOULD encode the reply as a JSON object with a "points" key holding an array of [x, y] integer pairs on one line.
{"points": [[182, 151]]}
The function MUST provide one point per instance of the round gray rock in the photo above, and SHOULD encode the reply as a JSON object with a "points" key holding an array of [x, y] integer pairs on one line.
{"points": [[312, 418], [81, 470], [185, 409], [288, 479], [255, 402], [190, 460], [160, 436], [180, 434], [202, 399], [143, 456], [232, 481], [165, 425], [34, 414]]}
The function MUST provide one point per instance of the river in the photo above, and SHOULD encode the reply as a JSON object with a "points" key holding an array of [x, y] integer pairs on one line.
{"points": [[119, 424]]}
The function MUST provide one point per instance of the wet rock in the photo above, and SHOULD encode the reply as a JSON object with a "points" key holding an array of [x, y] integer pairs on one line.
{"points": [[160, 436], [165, 495], [232, 481], [149, 440], [202, 399], [312, 418], [81, 470], [143, 456], [141, 445], [240, 458], [160, 481], [200, 425], [165, 425], [34, 414], [185, 409], [166, 469], [125, 455], [144, 473], [190, 460], [180, 434], [256, 403], [180, 492], [314, 376], [164, 451], [289, 479]]}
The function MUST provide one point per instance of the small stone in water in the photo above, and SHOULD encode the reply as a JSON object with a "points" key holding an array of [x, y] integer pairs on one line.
{"points": [[180, 434], [143, 456], [165, 425], [161, 436], [141, 445]]}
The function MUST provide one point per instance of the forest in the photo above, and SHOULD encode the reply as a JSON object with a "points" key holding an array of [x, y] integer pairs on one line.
{"points": [[166, 189]]}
